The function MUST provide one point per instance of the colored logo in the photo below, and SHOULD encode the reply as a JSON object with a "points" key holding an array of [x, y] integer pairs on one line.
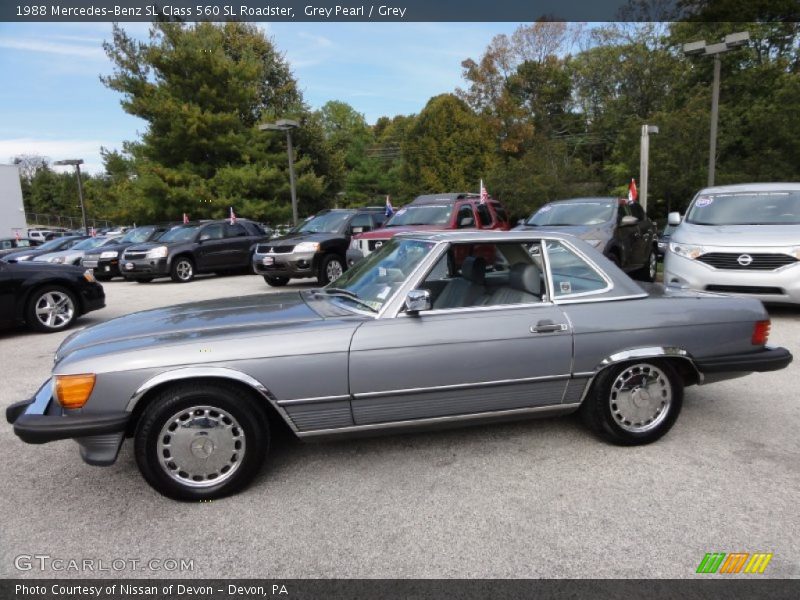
{"points": [[734, 562]]}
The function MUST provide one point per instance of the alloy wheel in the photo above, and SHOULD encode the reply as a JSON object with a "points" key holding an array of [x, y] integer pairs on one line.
{"points": [[640, 398], [54, 309]]}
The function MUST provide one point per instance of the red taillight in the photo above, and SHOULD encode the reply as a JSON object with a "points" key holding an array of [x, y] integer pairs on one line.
{"points": [[760, 333]]}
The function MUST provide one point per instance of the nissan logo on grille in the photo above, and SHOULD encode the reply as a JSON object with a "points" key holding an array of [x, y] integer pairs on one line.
{"points": [[744, 260]]}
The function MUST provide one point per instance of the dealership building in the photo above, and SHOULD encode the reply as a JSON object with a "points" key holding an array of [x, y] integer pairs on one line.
{"points": [[12, 212]]}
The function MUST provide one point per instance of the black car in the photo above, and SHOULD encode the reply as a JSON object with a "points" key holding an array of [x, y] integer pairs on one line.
{"points": [[663, 239], [316, 248], [45, 296], [105, 260], [54, 245], [185, 250], [619, 229], [10, 245]]}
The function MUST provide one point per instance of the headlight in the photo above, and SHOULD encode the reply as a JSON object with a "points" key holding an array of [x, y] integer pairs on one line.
{"points": [[686, 250], [157, 252], [57, 259], [88, 275], [109, 254], [307, 247], [595, 243]]}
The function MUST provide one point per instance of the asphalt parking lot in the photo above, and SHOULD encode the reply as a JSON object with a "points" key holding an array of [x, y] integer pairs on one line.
{"points": [[531, 499]]}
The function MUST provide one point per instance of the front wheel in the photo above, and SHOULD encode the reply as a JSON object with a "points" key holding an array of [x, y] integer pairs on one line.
{"points": [[198, 442], [276, 281], [330, 269], [51, 308], [634, 403], [182, 270]]}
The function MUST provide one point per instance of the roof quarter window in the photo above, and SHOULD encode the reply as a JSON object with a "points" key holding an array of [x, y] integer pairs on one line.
{"points": [[572, 274]]}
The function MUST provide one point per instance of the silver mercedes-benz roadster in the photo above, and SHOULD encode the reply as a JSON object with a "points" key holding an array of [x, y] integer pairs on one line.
{"points": [[433, 329]]}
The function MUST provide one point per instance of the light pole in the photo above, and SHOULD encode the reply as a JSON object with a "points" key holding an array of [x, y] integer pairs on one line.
{"points": [[644, 158], [77, 162], [287, 125], [731, 42]]}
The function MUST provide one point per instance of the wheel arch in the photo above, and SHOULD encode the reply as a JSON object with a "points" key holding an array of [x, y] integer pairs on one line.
{"points": [[679, 358], [231, 377]]}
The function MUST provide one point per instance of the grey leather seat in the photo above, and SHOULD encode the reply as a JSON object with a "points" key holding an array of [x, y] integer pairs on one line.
{"points": [[467, 289], [524, 286]]}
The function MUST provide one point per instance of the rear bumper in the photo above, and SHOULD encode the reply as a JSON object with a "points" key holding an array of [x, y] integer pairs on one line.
{"points": [[768, 359], [39, 420]]}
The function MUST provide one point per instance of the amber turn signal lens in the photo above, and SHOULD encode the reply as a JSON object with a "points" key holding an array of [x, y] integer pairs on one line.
{"points": [[72, 391], [760, 333]]}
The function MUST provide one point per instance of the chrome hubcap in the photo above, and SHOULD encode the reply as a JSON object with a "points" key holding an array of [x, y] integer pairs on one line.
{"points": [[334, 270], [184, 269], [201, 446], [653, 265], [54, 309], [640, 398]]}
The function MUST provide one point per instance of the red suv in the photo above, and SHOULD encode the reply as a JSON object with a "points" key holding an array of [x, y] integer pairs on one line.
{"points": [[432, 212]]}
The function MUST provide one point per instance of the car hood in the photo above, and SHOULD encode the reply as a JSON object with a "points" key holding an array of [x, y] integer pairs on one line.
{"points": [[245, 315], [293, 239], [114, 247], [69, 255], [28, 266], [736, 235], [586, 232], [384, 233]]}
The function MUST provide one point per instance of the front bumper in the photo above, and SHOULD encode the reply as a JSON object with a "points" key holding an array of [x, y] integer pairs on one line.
{"points": [[779, 286], [353, 256], [40, 420], [286, 264], [102, 266], [143, 267]]}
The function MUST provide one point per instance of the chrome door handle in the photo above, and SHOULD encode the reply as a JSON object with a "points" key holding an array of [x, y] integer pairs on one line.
{"points": [[548, 327]]}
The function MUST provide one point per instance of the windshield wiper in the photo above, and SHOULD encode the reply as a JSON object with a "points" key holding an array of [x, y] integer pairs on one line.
{"points": [[343, 293]]}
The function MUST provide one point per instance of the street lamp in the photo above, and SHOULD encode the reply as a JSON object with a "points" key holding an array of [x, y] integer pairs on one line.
{"points": [[287, 125], [644, 158], [77, 162], [731, 42]]}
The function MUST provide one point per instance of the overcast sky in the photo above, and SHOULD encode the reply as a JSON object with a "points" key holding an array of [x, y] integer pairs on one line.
{"points": [[53, 103]]}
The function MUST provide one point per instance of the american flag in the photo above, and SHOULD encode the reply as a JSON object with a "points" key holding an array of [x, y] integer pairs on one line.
{"points": [[389, 208], [633, 194], [233, 216], [185, 218], [16, 234], [484, 193], [93, 232]]}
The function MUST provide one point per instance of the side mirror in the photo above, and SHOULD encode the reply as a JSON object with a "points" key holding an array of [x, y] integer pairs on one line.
{"points": [[674, 218], [204, 237], [418, 300], [466, 222], [355, 230], [629, 220]]}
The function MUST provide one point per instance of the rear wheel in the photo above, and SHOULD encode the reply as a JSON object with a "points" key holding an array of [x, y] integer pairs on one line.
{"points": [[276, 281], [51, 308], [197, 442], [182, 269], [330, 269], [634, 403], [650, 269]]}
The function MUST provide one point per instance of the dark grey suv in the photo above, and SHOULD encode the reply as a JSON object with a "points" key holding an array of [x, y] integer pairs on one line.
{"points": [[620, 230]]}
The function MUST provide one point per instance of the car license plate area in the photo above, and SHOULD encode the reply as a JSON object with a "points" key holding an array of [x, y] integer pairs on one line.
{"points": [[129, 266], [268, 261]]}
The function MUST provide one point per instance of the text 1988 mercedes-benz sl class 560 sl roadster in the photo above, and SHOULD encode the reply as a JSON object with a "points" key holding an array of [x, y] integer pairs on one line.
{"points": [[432, 329]]}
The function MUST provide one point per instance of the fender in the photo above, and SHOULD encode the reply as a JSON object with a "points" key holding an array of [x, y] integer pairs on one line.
{"points": [[209, 372]]}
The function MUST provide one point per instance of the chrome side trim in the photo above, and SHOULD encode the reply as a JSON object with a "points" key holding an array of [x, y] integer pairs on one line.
{"points": [[319, 399], [217, 372], [573, 300], [540, 410], [458, 386], [470, 309], [638, 354]]}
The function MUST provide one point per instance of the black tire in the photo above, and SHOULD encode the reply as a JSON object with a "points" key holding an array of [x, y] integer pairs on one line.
{"points": [[276, 281], [246, 420], [604, 413], [650, 269], [143, 280], [182, 269], [51, 308], [329, 266]]}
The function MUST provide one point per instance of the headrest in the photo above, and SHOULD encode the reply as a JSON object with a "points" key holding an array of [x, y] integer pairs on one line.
{"points": [[526, 278], [474, 269]]}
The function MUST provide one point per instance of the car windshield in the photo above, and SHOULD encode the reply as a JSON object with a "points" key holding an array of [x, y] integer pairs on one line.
{"points": [[421, 215], [373, 281], [325, 223], [89, 243], [179, 234], [56, 244], [746, 208], [138, 235], [574, 213]]}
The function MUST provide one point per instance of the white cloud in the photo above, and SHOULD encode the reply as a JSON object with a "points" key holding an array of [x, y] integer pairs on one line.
{"points": [[38, 45], [319, 40], [88, 150]]}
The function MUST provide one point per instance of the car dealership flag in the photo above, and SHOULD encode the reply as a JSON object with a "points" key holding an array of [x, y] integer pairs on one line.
{"points": [[233, 216], [185, 218], [93, 232], [389, 208], [484, 193], [633, 194]]}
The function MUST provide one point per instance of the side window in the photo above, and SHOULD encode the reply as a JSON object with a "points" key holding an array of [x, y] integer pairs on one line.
{"points": [[213, 232], [361, 223], [624, 210], [484, 216], [6, 244], [637, 211], [500, 212], [465, 218], [235, 230], [571, 273]]}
